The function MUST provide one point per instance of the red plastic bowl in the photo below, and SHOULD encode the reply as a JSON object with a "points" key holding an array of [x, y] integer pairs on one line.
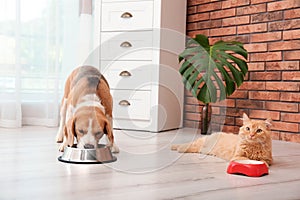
{"points": [[252, 168]]}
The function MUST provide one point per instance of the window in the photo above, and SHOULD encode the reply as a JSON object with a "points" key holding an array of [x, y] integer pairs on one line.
{"points": [[39, 42]]}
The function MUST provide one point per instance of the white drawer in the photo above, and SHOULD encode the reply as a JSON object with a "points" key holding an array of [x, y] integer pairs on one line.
{"points": [[127, 45], [130, 104], [128, 74], [127, 16]]}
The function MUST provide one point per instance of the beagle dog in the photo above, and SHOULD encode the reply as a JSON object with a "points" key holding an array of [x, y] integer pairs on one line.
{"points": [[86, 110]]}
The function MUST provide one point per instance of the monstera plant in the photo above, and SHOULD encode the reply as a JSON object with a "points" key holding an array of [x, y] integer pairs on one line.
{"points": [[212, 72]]}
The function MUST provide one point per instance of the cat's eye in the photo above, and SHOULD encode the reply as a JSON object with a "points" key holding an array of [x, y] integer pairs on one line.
{"points": [[247, 128], [81, 131], [258, 130]]}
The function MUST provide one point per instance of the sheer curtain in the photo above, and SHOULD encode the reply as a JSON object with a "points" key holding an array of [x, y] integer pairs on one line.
{"points": [[41, 41]]}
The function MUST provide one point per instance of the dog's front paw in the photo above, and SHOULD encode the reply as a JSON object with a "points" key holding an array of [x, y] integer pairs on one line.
{"points": [[58, 139], [115, 149], [62, 147], [59, 136]]}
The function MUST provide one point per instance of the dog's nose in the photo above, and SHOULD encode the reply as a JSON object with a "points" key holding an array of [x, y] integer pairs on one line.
{"points": [[89, 146]]}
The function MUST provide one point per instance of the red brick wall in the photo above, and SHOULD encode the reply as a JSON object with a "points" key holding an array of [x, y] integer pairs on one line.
{"points": [[270, 31]]}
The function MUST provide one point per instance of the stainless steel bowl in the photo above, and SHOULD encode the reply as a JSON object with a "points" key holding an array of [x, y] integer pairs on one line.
{"points": [[101, 154]]}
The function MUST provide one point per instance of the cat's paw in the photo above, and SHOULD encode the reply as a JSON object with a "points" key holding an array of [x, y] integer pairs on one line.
{"points": [[267, 164]]}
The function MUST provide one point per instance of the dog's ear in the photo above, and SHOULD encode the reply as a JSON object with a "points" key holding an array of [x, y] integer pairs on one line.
{"points": [[108, 131], [105, 124], [70, 131]]}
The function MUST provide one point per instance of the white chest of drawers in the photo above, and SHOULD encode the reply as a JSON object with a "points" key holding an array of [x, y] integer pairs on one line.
{"points": [[140, 42]]}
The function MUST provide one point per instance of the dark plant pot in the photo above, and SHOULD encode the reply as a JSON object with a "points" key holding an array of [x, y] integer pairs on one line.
{"points": [[205, 119]]}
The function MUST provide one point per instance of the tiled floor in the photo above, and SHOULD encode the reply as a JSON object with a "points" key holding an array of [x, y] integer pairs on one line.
{"points": [[145, 169]]}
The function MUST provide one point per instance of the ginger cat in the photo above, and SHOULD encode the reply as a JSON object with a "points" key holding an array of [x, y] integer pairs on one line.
{"points": [[253, 142]]}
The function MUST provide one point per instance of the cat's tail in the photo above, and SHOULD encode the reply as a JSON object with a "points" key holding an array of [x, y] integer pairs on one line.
{"points": [[174, 147], [192, 147], [182, 148]]}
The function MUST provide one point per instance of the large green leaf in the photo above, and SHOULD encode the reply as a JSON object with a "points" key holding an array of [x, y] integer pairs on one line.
{"points": [[207, 69]]}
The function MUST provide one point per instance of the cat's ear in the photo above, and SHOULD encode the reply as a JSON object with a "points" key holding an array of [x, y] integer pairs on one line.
{"points": [[245, 118], [268, 122]]}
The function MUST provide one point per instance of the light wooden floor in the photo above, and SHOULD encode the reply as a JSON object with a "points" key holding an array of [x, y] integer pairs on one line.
{"points": [[145, 169]]}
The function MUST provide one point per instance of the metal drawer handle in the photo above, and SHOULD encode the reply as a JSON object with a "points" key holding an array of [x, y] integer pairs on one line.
{"points": [[125, 73], [124, 103], [126, 15], [126, 44]]}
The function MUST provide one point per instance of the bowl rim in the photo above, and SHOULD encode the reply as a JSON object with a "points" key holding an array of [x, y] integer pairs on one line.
{"points": [[73, 148], [249, 162], [86, 162], [78, 149]]}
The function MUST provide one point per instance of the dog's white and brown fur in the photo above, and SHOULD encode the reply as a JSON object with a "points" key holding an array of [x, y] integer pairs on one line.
{"points": [[86, 110]]}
